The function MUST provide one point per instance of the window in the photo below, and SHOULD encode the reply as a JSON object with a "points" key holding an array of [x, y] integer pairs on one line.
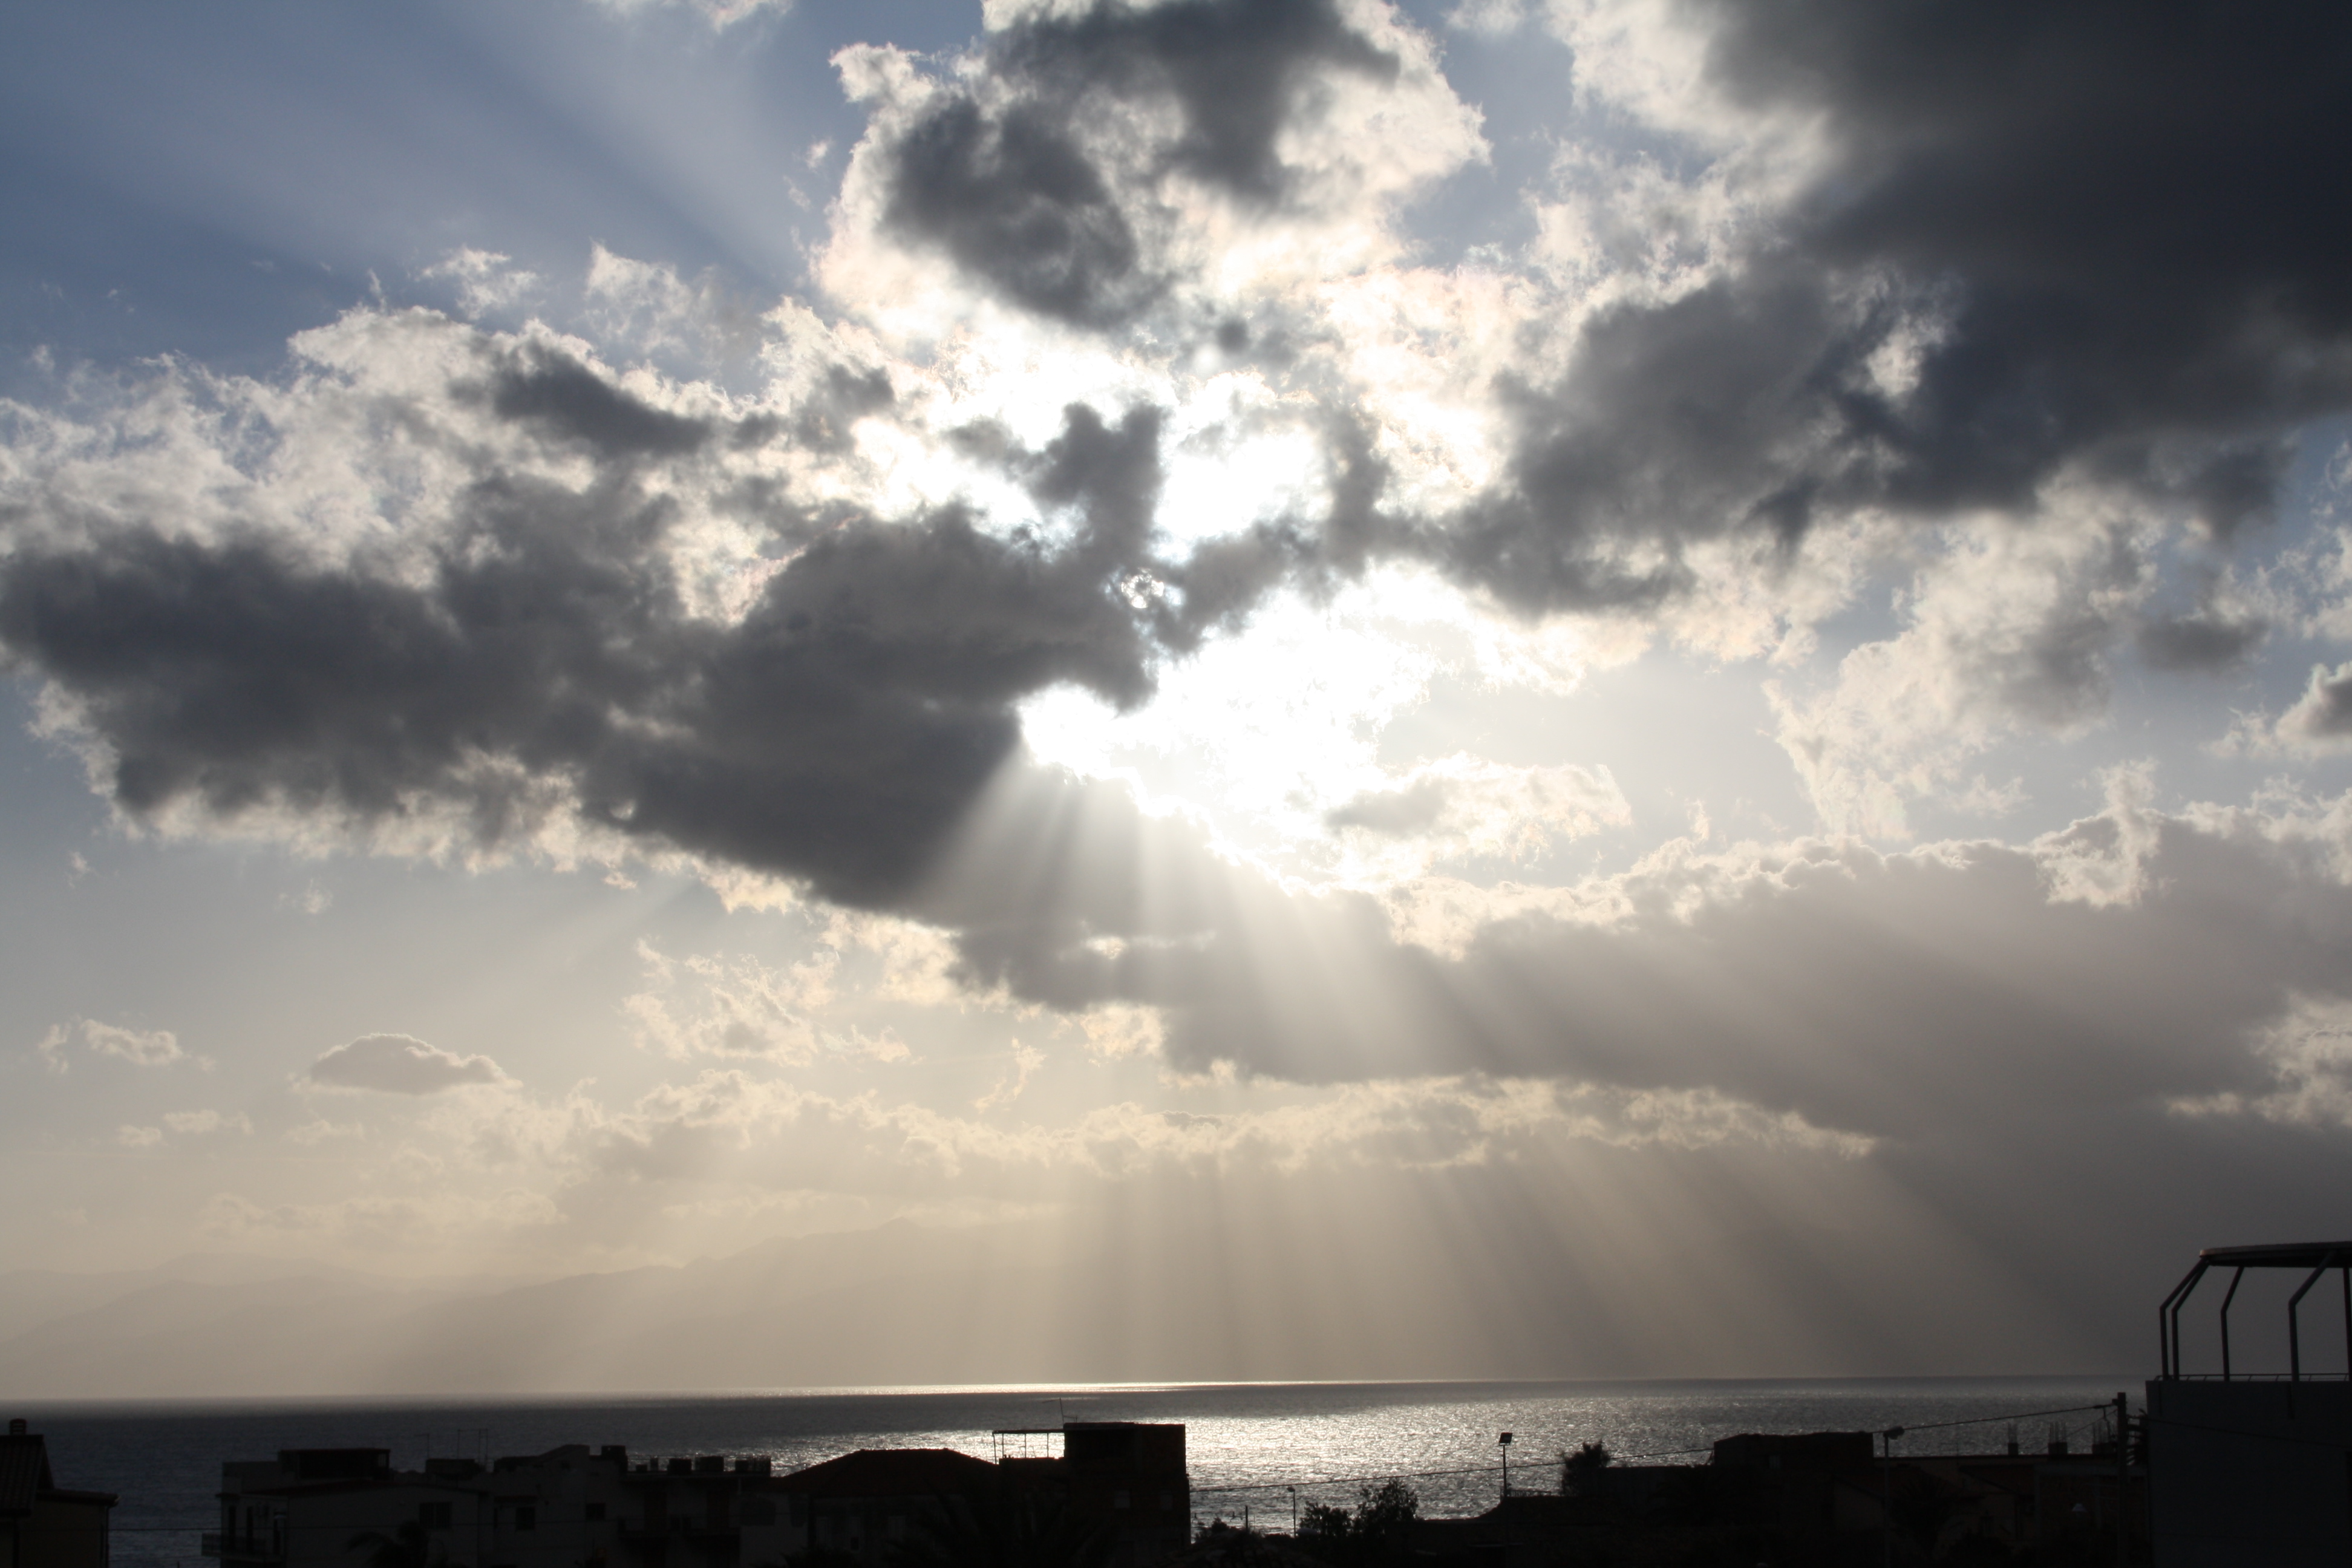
{"points": [[526, 1518], [1118, 1499], [593, 1512], [433, 1515]]}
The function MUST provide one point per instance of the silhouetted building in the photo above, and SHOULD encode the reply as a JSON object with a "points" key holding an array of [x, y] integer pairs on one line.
{"points": [[1131, 1475], [43, 1524], [703, 1511], [862, 1505], [2252, 1468], [1122, 1483], [1792, 1480], [572, 1507], [303, 1508]]}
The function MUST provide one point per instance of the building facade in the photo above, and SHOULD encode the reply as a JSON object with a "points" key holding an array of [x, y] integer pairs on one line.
{"points": [[1120, 1483], [572, 1507], [2252, 1466], [43, 1524]]}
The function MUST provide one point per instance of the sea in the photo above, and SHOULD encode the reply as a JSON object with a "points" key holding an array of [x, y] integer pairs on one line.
{"points": [[1256, 1451]]}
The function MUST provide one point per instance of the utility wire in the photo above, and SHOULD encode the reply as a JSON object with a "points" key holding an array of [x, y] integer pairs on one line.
{"points": [[2022, 1415]]}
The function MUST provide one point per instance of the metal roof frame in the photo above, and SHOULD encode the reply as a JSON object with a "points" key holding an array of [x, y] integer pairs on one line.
{"points": [[2318, 1257]]}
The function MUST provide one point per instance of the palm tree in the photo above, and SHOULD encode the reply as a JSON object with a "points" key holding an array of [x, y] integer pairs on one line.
{"points": [[1005, 1529]]}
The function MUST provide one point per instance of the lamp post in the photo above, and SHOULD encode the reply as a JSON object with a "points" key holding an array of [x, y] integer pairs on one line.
{"points": [[1505, 1443], [1886, 1491]]}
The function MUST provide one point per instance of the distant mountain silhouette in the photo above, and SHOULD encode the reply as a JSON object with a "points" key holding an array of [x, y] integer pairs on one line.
{"points": [[1106, 1297]]}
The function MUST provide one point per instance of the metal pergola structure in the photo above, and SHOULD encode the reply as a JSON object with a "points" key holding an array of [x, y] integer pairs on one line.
{"points": [[2318, 1257]]}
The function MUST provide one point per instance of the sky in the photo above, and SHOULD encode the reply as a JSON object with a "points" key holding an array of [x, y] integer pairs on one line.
{"points": [[1516, 688]]}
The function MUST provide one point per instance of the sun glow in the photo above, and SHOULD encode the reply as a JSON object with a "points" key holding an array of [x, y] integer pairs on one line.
{"points": [[1265, 733]]}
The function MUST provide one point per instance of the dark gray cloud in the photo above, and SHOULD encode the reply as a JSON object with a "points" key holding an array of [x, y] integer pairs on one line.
{"points": [[565, 399], [822, 422], [546, 662], [2199, 641], [1015, 201], [1016, 186], [400, 1063], [2109, 215], [1890, 996], [2213, 636]]}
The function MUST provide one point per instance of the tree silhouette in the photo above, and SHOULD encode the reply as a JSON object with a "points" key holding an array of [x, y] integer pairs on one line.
{"points": [[1580, 1473], [1380, 1531]]}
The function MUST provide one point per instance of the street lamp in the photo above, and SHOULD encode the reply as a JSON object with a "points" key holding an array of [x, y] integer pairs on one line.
{"points": [[1504, 1441], [1886, 1491]]}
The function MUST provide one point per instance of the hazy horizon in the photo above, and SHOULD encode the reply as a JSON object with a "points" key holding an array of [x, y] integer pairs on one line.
{"points": [[1343, 688]]}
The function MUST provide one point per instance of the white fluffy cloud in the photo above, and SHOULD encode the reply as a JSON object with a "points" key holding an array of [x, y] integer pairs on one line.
{"points": [[140, 1047]]}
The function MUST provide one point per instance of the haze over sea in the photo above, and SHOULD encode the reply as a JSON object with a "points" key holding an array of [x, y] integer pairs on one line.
{"points": [[1248, 1443]]}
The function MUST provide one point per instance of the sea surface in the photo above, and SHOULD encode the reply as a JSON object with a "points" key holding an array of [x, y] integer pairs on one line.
{"points": [[1251, 1447]]}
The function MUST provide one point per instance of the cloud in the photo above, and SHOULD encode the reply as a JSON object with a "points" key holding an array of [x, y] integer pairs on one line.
{"points": [[720, 14], [725, 1125], [1488, 16], [196, 1123], [2322, 716], [649, 307], [2199, 641], [563, 397], [2308, 1053], [141, 1047], [1077, 161], [1462, 806], [397, 1064], [1026, 1060], [2022, 246], [2007, 630], [527, 659], [486, 281], [2131, 959], [737, 1006]]}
